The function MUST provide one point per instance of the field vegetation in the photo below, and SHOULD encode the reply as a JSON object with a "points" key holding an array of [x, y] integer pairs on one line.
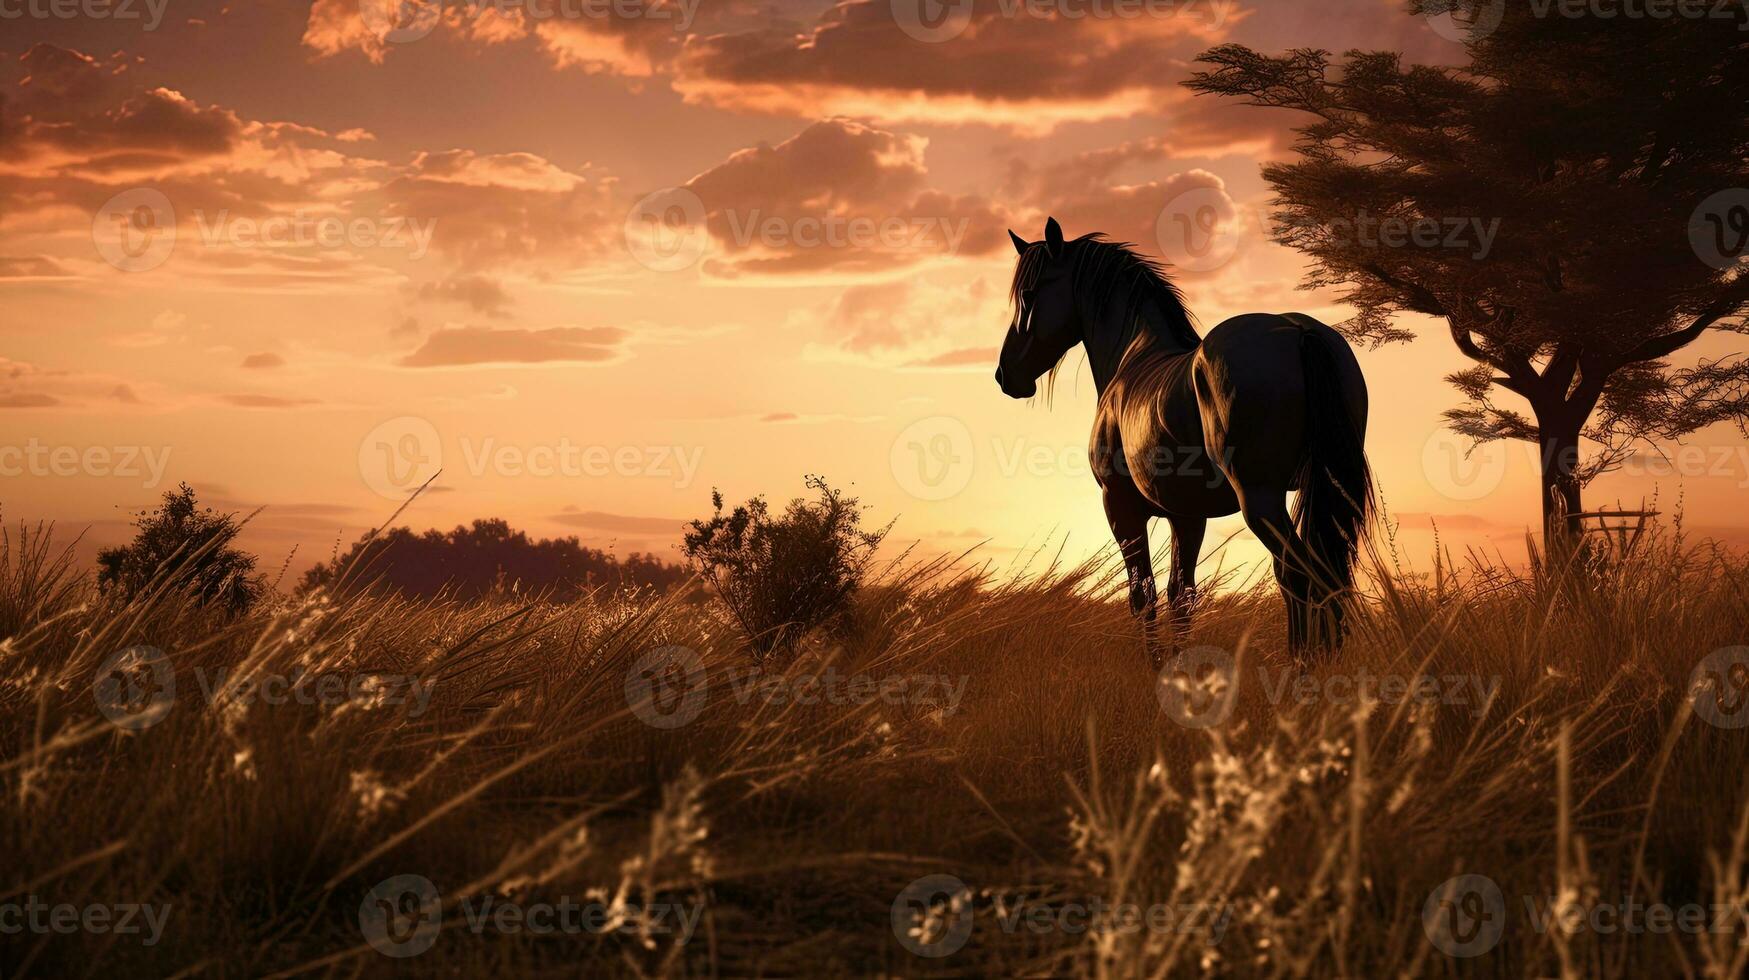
{"points": [[638, 752]]}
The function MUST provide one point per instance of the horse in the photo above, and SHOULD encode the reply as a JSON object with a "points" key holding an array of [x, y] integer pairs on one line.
{"points": [[1193, 427]]}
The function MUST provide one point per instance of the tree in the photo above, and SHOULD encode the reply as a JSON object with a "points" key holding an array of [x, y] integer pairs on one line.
{"points": [[184, 548], [1598, 148], [472, 561]]}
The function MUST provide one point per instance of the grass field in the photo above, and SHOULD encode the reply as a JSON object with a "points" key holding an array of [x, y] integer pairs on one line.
{"points": [[614, 778]]}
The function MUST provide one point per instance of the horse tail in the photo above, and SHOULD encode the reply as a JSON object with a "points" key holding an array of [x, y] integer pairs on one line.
{"points": [[1336, 492]]}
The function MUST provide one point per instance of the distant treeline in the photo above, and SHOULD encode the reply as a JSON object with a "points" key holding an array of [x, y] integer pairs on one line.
{"points": [[471, 561]]}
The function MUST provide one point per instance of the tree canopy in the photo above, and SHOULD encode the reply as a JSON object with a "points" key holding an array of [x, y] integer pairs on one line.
{"points": [[1612, 157], [471, 561], [182, 546]]}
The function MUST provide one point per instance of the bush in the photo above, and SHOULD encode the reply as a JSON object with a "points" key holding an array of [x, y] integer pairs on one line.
{"points": [[783, 576], [187, 549]]}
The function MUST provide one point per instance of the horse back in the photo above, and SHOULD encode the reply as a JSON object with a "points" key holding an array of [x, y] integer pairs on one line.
{"points": [[1252, 389], [1257, 359], [1148, 434]]}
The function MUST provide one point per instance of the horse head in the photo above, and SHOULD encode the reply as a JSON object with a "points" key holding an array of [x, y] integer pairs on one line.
{"points": [[1047, 321]]}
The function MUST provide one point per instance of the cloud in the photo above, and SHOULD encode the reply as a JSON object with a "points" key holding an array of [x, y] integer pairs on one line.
{"points": [[633, 40], [596, 520], [960, 358], [27, 385], [376, 27], [247, 195], [1015, 64], [27, 399], [870, 317], [267, 401], [839, 196], [478, 293], [458, 346], [1135, 191], [909, 322], [1151, 214], [31, 268], [336, 25], [1202, 128], [1206, 126], [1023, 71], [73, 105], [489, 209], [226, 502], [793, 418], [848, 200], [265, 359], [627, 48]]}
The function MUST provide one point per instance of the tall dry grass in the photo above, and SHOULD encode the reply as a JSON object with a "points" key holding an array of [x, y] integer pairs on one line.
{"points": [[1314, 829]]}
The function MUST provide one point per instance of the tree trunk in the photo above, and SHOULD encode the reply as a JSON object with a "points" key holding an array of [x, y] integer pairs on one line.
{"points": [[1560, 485]]}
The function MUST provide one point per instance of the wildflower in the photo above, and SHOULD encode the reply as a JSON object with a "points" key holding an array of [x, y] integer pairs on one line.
{"points": [[372, 795]]}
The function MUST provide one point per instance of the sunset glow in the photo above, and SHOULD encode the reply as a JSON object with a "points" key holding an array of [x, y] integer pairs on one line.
{"points": [[591, 265]]}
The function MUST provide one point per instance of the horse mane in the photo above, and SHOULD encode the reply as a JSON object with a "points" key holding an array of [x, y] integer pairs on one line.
{"points": [[1107, 271]]}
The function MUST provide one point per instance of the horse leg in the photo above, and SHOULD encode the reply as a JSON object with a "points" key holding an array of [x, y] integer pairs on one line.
{"points": [[1187, 533], [1267, 517], [1129, 525]]}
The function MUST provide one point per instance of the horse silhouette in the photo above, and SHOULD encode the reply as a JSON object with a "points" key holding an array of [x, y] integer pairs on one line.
{"points": [[1189, 428]]}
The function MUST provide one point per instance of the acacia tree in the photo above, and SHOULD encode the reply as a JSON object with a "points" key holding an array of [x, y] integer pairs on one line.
{"points": [[1598, 150]]}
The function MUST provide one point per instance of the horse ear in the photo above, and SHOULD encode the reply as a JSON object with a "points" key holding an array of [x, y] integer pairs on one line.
{"points": [[1053, 236], [1020, 244]]}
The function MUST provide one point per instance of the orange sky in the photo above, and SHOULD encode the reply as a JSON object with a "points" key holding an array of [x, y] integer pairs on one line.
{"points": [[436, 246]]}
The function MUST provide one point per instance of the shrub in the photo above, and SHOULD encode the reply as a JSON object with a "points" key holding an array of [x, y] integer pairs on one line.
{"points": [[185, 548], [783, 576]]}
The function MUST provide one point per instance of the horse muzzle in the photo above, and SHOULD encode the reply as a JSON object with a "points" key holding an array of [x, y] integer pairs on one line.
{"points": [[1015, 387]]}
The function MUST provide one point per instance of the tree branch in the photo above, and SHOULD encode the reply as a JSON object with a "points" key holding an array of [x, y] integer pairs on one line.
{"points": [[1561, 368], [1669, 343], [1420, 298], [1520, 379]]}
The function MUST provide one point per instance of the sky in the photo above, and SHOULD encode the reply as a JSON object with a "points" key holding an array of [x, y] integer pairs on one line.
{"points": [[586, 260]]}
